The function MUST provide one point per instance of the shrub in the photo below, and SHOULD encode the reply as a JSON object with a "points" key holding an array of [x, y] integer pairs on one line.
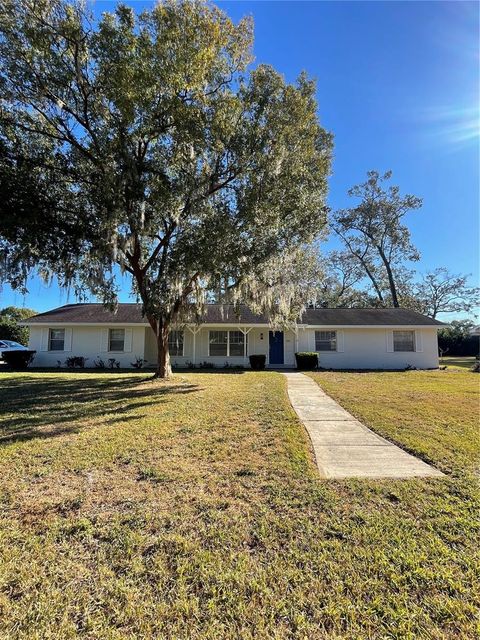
{"points": [[307, 360], [257, 361], [139, 362], [99, 364], [112, 363], [234, 367], [457, 340], [76, 361], [18, 359], [206, 365]]}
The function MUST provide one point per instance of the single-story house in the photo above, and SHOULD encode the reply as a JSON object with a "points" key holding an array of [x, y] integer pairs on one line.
{"points": [[343, 338]]}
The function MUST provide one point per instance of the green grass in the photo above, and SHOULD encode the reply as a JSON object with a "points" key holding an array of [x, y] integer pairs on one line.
{"points": [[192, 510], [434, 414], [457, 362]]}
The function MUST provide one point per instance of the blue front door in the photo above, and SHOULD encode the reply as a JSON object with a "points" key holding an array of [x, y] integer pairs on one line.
{"points": [[276, 347]]}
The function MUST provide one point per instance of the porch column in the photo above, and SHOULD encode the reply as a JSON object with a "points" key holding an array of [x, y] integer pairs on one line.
{"points": [[245, 332], [194, 331]]}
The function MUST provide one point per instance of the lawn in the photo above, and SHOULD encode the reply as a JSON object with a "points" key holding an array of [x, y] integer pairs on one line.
{"points": [[457, 362], [192, 510]]}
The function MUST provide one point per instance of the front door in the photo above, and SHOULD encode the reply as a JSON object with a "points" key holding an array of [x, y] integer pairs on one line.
{"points": [[276, 347]]}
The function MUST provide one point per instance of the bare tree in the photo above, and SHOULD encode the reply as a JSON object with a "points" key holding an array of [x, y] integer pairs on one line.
{"points": [[443, 292]]}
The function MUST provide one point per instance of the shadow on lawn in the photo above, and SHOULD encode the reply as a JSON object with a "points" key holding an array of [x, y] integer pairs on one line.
{"points": [[48, 407]]}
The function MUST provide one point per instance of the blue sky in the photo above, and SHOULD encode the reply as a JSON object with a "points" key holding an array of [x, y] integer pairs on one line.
{"points": [[398, 85]]}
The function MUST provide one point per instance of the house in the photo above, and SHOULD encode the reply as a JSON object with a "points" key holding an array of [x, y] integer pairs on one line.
{"points": [[343, 338]]}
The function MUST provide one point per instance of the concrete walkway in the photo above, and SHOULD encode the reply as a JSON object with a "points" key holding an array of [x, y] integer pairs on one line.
{"points": [[344, 447]]}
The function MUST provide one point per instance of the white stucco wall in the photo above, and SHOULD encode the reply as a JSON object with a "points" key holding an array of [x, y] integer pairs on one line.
{"points": [[87, 341], [369, 348], [358, 348], [257, 343]]}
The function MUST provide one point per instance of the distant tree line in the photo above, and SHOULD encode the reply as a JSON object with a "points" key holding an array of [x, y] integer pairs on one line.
{"points": [[10, 329], [457, 339]]}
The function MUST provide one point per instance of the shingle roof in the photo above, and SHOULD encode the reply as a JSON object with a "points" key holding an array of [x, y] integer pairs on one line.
{"points": [[224, 314], [383, 317]]}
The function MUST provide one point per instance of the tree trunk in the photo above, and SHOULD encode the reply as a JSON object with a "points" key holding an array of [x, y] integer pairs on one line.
{"points": [[161, 330], [391, 279], [164, 368], [373, 280]]}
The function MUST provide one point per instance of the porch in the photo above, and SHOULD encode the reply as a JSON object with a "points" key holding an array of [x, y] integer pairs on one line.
{"points": [[221, 345]]}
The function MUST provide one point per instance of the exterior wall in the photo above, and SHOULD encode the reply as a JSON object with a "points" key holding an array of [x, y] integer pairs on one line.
{"points": [[87, 341], [364, 348], [257, 343], [178, 361], [358, 348]]}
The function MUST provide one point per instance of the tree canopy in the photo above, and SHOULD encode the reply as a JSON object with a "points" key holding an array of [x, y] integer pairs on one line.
{"points": [[440, 291], [373, 267], [458, 339], [374, 234], [9, 327], [152, 147]]}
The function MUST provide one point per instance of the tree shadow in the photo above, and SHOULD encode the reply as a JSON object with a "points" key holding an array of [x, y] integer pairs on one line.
{"points": [[216, 370], [34, 406]]}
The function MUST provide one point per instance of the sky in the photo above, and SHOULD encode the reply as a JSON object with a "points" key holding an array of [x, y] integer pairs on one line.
{"points": [[398, 86]]}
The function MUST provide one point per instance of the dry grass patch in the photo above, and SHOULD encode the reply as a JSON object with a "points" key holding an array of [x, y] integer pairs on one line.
{"points": [[192, 510]]}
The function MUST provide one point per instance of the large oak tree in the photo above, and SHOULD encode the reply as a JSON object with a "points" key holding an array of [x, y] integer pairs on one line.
{"points": [[144, 143]]}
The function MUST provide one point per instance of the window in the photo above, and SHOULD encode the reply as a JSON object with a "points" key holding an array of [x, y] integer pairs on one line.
{"points": [[325, 340], [227, 343], [56, 340], [404, 340], [116, 340], [175, 343], [218, 343], [236, 340]]}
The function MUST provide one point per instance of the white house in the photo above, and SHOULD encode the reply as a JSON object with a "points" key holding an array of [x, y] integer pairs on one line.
{"points": [[343, 338]]}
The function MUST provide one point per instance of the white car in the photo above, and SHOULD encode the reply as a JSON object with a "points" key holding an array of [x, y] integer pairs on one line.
{"points": [[10, 345]]}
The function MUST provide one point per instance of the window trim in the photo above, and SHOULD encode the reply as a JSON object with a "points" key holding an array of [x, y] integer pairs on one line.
{"points": [[414, 341], [56, 339], [228, 332], [177, 355], [110, 350], [335, 340]]}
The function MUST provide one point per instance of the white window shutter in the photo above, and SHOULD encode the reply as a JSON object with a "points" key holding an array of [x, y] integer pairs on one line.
{"points": [[44, 339], [389, 340], [340, 341], [418, 341], [67, 345], [128, 340], [104, 341]]}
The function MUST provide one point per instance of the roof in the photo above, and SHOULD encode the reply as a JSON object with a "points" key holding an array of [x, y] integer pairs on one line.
{"points": [[131, 313], [358, 317]]}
